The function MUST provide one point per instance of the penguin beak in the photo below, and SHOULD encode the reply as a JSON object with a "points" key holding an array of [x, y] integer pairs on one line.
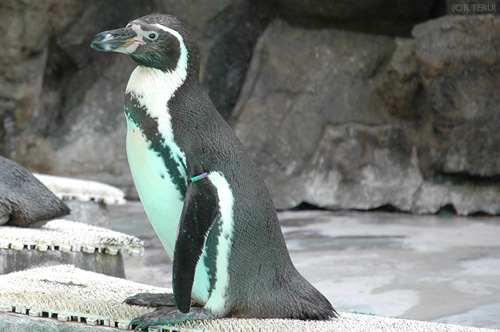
{"points": [[124, 40]]}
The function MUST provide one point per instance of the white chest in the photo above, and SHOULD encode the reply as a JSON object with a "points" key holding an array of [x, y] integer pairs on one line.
{"points": [[158, 193]]}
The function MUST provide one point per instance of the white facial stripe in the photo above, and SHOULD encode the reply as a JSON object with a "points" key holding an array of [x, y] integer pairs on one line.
{"points": [[136, 27], [217, 301], [141, 34], [183, 58]]}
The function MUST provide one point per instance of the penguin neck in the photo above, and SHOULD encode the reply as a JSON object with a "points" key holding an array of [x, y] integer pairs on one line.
{"points": [[151, 85], [153, 88]]}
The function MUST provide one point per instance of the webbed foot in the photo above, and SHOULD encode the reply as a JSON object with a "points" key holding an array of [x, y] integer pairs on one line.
{"points": [[168, 316], [153, 300]]}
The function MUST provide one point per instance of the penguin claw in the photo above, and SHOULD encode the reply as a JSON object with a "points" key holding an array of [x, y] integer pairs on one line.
{"points": [[143, 322], [135, 322]]}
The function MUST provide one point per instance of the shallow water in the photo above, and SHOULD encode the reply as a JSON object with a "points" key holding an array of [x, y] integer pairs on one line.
{"points": [[436, 268]]}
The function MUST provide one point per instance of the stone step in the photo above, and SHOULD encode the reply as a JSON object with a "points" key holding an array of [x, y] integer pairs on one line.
{"points": [[81, 190], [66, 242]]}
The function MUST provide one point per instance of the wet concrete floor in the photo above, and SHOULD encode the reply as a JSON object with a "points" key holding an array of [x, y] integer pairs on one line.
{"points": [[434, 268]]}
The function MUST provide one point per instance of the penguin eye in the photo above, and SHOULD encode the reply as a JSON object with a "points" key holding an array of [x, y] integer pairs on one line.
{"points": [[152, 36]]}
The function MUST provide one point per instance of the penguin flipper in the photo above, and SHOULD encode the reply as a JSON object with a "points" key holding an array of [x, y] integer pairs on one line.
{"points": [[200, 212]]}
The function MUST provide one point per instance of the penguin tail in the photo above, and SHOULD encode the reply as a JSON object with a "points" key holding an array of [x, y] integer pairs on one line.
{"points": [[310, 304], [314, 306]]}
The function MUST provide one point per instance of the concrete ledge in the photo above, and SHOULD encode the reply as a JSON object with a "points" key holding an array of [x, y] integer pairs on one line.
{"points": [[18, 260], [66, 242], [71, 294]]}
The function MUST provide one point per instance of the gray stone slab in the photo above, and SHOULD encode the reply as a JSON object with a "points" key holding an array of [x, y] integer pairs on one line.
{"points": [[66, 242], [18, 260]]}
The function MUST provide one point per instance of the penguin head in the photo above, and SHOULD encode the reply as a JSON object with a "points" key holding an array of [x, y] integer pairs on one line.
{"points": [[155, 41]]}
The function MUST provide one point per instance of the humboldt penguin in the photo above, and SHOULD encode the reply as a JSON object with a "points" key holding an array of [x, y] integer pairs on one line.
{"points": [[24, 200], [200, 190]]}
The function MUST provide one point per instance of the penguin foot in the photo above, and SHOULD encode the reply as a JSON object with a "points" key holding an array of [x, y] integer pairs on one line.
{"points": [[154, 300], [151, 300], [168, 316]]}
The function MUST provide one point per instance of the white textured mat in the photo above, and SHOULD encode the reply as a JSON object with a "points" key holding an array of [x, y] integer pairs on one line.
{"points": [[81, 190], [65, 235], [73, 294]]}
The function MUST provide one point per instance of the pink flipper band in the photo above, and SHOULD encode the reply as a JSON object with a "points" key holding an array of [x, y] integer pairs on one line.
{"points": [[198, 177]]}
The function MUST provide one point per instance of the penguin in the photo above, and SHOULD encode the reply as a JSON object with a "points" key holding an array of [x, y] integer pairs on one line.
{"points": [[201, 191], [24, 200]]}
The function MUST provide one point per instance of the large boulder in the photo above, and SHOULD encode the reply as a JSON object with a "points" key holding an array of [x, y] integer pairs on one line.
{"points": [[347, 120], [459, 65], [332, 105]]}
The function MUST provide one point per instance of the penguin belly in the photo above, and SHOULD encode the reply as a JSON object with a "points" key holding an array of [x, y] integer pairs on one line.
{"points": [[162, 201]]}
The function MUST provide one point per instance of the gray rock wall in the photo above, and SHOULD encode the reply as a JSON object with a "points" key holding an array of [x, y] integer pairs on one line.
{"points": [[343, 104]]}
